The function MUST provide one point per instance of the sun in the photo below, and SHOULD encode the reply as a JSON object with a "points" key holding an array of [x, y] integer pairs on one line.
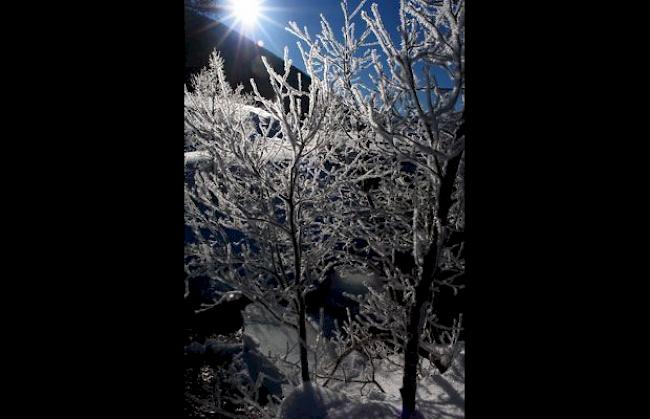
{"points": [[246, 12]]}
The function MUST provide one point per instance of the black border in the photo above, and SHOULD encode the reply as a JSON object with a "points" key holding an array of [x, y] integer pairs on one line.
{"points": [[95, 233], [96, 199]]}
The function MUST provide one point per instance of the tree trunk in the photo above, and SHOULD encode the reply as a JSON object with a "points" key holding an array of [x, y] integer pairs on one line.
{"points": [[300, 299], [413, 331], [302, 335], [423, 293], [411, 357]]}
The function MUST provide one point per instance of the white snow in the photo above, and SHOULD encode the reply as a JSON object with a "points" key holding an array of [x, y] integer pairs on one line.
{"points": [[316, 402], [257, 111], [311, 401], [193, 158], [273, 336], [439, 396]]}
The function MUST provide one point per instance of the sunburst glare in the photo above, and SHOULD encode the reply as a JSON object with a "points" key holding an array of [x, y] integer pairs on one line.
{"points": [[246, 12]]}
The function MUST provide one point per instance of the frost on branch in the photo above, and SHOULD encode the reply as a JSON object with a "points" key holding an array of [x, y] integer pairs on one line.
{"points": [[402, 209], [260, 210], [357, 172]]}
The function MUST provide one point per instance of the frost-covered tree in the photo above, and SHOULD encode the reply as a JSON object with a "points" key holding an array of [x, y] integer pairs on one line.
{"points": [[364, 169], [407, 145], [260, 208]]}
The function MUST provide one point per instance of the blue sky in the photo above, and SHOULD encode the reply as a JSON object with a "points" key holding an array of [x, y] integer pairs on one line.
{"points": [[277, 13], [271, 23]]}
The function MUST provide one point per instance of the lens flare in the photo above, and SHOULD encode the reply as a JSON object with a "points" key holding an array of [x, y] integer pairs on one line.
{"points": [[246, 12]]}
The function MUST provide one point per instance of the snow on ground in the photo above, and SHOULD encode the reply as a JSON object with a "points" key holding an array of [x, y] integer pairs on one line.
{"points": [[355, 282], [274, 337], [439, 396], [316, 402], [194, 159], [311, 401]]}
